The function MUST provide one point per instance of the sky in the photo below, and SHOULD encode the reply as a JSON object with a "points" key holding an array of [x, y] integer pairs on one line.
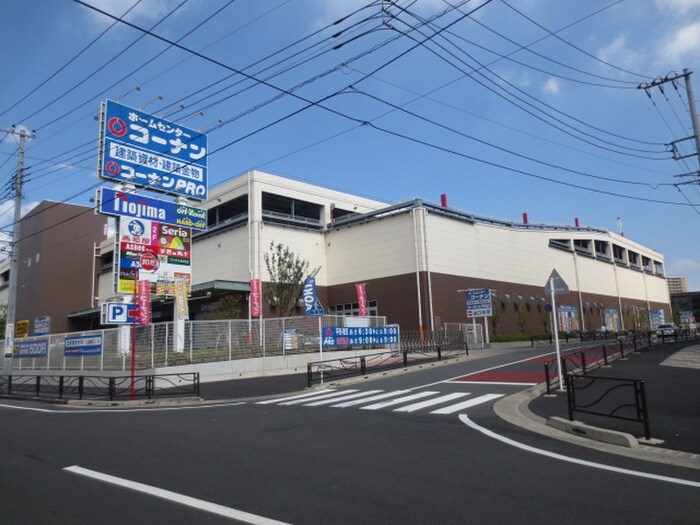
{"points": [[506, 106]]}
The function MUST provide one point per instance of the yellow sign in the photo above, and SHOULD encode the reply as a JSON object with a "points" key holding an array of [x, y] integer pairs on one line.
{"points": [[21, 329]]}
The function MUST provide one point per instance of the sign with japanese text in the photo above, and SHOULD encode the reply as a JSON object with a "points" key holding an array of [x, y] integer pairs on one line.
{"points": [[122, 204], [255, 298], [478, 303], [151, 152], [42, 325], [182, 308], [362, 299], [360, 336], [90, 344], [143, 297], [170, 245], [21, 329], [32, 348]]}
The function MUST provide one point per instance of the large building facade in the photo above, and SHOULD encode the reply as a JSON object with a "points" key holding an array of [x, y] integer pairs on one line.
{"points": [[414, 256]]}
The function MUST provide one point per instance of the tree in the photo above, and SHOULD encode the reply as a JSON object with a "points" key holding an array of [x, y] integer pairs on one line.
{"points": [[3, 320], [521, 320], [287, 273], [228, 307]]}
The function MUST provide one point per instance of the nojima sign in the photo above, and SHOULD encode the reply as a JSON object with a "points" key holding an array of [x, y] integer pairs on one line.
{"points": [[151, 152]]}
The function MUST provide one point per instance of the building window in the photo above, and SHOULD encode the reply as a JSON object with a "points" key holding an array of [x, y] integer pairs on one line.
{"points": [[354, 308], [583, 246], [602, 250], [561, 244], [633, 259]]}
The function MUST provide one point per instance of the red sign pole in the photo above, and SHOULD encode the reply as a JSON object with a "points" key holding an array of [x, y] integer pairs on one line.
{"points": [[132, 392]]}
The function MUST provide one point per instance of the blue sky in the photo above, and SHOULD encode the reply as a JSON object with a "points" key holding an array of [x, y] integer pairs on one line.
{"points": [[506, 106]]}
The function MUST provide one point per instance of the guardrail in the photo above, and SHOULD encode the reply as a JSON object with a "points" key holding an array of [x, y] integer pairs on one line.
{"points": [[415, 348], [601, 402], [100, 387]]}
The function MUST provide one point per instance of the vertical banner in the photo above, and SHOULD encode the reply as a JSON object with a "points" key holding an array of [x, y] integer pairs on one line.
{"points": [[182, 310], [309, 294], [144, 301], [255, 298], [362, 299]]}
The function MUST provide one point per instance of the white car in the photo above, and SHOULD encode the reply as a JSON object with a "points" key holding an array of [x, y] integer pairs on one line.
{"points": [[667, 329]]}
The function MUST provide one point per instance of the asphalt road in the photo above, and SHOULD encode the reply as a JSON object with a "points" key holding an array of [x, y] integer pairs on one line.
{"points": [[305, 464]]}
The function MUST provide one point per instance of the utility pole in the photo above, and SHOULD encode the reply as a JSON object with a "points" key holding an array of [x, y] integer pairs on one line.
{"points": [[14, 253], [673, 78]]}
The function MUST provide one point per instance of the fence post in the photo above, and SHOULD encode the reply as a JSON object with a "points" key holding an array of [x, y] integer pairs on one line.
{"points": [[112, 388], [634, 342], [546, 377], [649, 339], [196, 383], [81, 383], [570, 400], [532, 341], [309, 374], [149, 386], [622, 346], [605, 355], [645, 411], [60, 387], [363, 365], [38, 385], [405, 357], [153, 346], [583, 362], [439, 352]]}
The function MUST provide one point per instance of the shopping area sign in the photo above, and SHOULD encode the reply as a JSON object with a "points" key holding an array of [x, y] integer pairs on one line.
{"points": [[89, 344], [123, 204], [478, 303], [360, 335], [142, 242], [151, 152]]}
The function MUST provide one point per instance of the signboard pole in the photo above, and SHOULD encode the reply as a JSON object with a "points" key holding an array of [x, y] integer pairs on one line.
{"points": [[555, 328], [320, 343]]}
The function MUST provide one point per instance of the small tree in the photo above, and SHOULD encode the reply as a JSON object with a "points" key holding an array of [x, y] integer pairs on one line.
{"points": [[228, 307], [287, 273], [495, 314], [3, 320], [522, 317]]}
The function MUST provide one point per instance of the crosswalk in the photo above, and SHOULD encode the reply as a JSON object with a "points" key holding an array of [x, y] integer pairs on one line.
{"points": [[401, 401]]}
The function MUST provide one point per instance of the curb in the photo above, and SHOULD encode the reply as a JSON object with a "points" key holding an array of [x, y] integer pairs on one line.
{"points": [[515, 410]]}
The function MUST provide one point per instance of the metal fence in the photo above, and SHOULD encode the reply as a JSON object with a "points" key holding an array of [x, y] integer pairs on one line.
{"points": [[204, 341]]}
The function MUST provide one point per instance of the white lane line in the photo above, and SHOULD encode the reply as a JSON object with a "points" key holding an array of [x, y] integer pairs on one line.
{"points": [[370, 399], [499, 383], [688, 483], [432, 402], [341, 398], [467, 404], [195, 503], [398, 401], [117, 410], [288, 398], [320, 396]]}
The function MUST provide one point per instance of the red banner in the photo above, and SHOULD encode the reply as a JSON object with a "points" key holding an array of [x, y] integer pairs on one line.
{"points": [[362, 298], [255, 298], [144, 301]]}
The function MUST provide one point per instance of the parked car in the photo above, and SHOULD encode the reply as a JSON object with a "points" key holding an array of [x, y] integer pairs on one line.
{"points": [[667, 329]]}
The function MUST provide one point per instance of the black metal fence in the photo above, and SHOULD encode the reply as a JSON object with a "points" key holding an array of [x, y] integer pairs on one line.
{"points": [[610, 397], [415, 348], [100, 387]]}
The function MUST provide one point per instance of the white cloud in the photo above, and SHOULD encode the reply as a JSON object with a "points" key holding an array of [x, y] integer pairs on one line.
{"points": [[552, 86], [620, 53], [145, 11], [678, 7], [7, 215], [681, 46]]}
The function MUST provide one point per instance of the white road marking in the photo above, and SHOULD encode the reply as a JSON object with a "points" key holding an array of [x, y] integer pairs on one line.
{"points": [[688, 483], [370, 399], [320, 396], [195, 503], [500, 383], [288, 398], [431, 402], [341, 398], [398, 401], [467, 404], [116, 410]]}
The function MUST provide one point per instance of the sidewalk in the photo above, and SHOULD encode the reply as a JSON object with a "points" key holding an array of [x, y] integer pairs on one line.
{"points": [[672, 377]]}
